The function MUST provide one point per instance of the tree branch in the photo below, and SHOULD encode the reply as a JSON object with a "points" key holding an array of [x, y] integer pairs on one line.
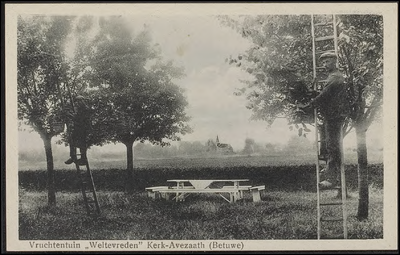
{"points": [[373, 105], [371, 112], [24, 98], [346, 128], [34, 82]]}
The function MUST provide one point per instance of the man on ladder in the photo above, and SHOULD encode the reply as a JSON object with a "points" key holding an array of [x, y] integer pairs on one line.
{"points": [[332, 104], [79, 131], [80, 127]]}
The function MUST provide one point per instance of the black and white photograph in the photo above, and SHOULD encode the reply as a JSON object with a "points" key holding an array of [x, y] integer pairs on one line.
{"points": [[201, 127]]}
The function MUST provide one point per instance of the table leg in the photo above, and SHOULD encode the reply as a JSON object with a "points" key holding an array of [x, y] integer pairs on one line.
{"points": [[237, 194], [179, 196]]}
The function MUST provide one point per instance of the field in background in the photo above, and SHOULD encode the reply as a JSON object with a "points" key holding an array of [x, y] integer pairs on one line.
{"points": [[193, 162]]}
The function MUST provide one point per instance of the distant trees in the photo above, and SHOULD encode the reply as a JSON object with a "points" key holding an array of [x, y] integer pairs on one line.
{"points": [[249, 144], [271, 148], [149, 151], [299, 145], [182, 149]]}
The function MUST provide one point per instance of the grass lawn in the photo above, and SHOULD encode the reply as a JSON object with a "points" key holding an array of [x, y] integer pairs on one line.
{"points": [[281, 215]]}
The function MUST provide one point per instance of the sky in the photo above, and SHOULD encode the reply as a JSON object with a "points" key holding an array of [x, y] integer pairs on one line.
{"points": [[201, 44]]}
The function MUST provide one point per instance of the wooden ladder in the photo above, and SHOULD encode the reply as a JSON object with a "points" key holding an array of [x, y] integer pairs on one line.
{"points": [[324, 39], [88, 189]]}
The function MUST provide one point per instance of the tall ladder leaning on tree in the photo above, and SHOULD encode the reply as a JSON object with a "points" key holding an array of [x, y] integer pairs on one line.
{"points": [[85, 177], [324, 39]]}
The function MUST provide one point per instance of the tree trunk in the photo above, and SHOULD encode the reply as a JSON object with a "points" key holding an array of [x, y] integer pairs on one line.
{"points": [[51, 187], [339, 194], [129, 167], [363, 199]]}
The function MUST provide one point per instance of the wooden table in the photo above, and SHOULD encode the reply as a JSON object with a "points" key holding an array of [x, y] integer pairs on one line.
{"points": [[184, 187]]}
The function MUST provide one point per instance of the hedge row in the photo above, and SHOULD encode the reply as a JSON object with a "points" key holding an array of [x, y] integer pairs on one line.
{"points": [[274, 177]]}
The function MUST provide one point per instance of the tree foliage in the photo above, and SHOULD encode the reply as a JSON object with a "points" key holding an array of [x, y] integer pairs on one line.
{"points": [[361, 59], [137, 86], [41, 68], [127, 85], [280, 61], [249, 144]]}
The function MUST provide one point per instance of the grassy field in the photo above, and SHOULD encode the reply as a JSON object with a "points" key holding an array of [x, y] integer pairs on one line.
{"points": [[280, 215], [193, 162], [287, 210]]}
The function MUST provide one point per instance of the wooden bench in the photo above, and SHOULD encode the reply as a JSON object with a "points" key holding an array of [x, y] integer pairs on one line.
{"points": [[153, 191], [241, 189], [255, 191], [180, 193]]}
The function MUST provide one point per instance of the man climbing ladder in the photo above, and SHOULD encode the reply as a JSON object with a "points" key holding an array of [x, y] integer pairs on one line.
{"points": [[80, 120], [78, 128], [333, 106]]}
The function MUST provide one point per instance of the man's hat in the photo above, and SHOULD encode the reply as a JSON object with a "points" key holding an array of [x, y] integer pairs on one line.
{"points": [[79, 97], [330, 54]]}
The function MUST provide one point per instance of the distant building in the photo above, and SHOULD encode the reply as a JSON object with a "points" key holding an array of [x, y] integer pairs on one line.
{"points": [[218, 147]]}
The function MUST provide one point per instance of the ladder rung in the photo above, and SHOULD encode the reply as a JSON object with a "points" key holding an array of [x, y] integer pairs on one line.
{"points": [[324, 24], [326, 204], [330, 188], [88, 192], [331, 219], [319, 52], [324, 38]]}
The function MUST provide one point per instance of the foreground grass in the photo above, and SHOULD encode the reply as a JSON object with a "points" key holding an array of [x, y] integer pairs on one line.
{"points": [[281, 215]]}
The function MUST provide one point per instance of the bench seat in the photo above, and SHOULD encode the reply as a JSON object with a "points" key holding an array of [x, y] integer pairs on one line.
{"points": [[152, 191], [189, 190], [244, 187], [234, 194], [255, 191], [240, 188], [157, 187]]}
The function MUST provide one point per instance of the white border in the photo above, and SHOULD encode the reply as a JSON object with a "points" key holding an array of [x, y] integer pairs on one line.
{"points": [[388, 10]]}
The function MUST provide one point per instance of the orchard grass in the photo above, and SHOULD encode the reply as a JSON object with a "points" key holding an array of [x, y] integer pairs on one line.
{"points": [[280, 215]]}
